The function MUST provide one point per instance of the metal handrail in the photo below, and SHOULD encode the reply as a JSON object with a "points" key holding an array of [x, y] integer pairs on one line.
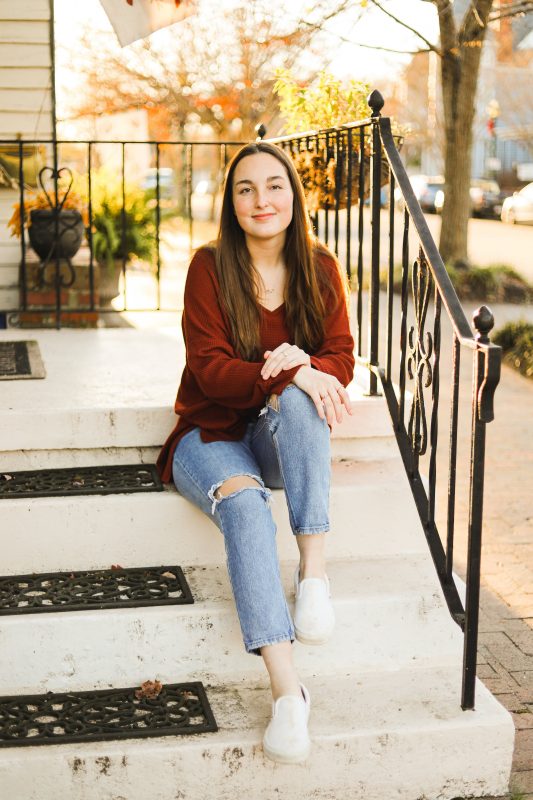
{"points": [[429, 268]]}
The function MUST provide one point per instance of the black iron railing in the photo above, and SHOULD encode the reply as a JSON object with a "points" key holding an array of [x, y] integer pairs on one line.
{"points": [[403, 354], [157, 189]]}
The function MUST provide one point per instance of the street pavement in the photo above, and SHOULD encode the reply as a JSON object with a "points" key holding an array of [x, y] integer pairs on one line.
{"points": [[489, 241]]}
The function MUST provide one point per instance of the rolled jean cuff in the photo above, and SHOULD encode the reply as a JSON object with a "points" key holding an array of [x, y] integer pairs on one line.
{"points": [[254, 647], [312, 529]]}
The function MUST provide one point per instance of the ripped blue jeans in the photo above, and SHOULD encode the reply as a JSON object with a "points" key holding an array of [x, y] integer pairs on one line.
{"points": [[287, 446]]}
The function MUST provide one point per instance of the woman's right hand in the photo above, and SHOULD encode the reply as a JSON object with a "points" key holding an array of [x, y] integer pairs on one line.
{"points": [[326, 391]]}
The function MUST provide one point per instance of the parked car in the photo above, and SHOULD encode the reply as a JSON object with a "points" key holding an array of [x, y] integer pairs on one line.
{"points": [[486, 199], [425, 189], [519, 207]]}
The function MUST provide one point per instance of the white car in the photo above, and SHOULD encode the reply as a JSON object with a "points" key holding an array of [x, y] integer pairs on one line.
{"points": [[519, 207]]}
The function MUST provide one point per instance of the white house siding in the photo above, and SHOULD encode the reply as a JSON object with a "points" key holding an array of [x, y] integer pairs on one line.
{"points": [[25, 104]]}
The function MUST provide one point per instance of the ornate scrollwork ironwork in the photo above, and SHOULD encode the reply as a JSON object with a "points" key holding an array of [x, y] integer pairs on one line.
{"points": [[419, 366], [68, 235]]}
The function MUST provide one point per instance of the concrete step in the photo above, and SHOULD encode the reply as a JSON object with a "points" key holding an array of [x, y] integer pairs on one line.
{"points": [[115, 388], [387, 736], [93, 532], [390, 614], [359, 448], [16, 460]]}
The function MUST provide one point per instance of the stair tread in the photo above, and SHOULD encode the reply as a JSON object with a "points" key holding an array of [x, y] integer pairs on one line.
{"points": [[349, 707], [71, 533], [368, 580], [389, 613], [345, 472], [106, 398]]}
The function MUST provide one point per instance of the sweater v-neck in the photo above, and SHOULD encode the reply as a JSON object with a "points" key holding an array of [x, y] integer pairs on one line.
{"points": [[272, 310]]}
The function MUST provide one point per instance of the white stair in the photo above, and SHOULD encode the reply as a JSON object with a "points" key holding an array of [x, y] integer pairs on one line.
{"points": [[386, 720]]}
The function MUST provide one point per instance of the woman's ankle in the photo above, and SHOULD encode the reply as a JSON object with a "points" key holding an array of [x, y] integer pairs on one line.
{"points": [[285, 686], [312, 556], [283, 676]]}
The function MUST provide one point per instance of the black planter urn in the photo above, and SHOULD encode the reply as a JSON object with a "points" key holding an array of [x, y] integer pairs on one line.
{"points": [[42, 233]]}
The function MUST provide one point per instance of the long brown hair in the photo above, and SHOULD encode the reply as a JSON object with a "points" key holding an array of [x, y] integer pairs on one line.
{"points": [[305, 307]]}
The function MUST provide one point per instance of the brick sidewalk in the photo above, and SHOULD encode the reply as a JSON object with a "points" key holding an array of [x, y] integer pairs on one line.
{"points": [[506, 667]]}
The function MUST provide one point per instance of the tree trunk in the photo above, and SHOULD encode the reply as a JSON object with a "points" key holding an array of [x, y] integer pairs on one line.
{"points": [[461, 56], [459, 116]]}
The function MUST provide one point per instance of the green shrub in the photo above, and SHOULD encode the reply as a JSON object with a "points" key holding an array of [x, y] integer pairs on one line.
{"points": [[516, 341], [108, 221], [498, 283]]}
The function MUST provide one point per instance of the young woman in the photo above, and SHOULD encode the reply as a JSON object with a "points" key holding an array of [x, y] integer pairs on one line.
{"points": [[268, 356]]}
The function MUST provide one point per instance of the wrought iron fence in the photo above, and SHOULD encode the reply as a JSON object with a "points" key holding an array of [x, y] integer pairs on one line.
{"points": [[97, 217], [404, 355], [351, 176]]}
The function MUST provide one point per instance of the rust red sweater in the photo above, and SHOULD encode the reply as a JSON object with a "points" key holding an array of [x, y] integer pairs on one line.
{"points": [[219, 392]]}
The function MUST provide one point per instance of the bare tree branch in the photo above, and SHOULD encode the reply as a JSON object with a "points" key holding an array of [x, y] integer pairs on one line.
{"points": [[512, 10], [405, 25]]}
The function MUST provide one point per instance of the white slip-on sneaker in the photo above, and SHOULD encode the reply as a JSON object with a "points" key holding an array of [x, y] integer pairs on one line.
{"points": [[286, 738], [314, 618]]}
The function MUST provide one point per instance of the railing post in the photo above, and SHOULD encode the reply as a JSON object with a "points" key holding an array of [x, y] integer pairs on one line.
{"points": [[376, 103], [486, 376]]}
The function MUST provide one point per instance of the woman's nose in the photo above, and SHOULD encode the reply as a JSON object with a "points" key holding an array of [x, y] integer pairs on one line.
{"points": [[261, 198]]}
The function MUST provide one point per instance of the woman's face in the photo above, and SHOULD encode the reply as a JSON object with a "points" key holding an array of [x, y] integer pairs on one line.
{"points": [[262, 197]]}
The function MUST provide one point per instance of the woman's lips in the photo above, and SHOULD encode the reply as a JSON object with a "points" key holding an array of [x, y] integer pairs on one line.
{"points": [[262, 216]]}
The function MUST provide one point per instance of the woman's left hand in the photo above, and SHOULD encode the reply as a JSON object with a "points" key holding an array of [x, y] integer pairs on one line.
{"points": [[285, 356]]}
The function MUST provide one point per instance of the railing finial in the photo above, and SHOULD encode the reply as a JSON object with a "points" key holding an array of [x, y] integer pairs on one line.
{"points": [[376, 102], [261, 131], [483, 320]]}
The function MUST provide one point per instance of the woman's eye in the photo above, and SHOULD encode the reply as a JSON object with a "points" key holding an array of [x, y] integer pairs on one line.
{"points": [[245, 190], [276, 186]]}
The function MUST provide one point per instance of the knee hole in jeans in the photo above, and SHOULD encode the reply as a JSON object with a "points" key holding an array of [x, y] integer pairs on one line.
{"points": [[232, 485], [235, 485]]}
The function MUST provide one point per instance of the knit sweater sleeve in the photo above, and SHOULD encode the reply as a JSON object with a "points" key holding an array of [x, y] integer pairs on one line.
{"points": [[220, 373], [335, 356]]}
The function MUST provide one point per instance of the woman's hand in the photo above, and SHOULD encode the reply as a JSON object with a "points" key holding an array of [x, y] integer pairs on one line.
{"points": [[283, 357], [326, 391]]}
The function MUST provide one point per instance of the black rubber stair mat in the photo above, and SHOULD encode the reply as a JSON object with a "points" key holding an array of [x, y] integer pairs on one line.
{"points": [[82, 590], [60, 718], [20, 359], [113, 479]]}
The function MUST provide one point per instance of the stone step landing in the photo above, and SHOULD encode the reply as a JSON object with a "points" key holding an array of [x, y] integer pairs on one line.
{"points": [[388, 736]]}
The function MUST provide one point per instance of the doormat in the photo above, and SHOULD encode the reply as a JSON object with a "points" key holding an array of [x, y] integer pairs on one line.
{"points": [[171, 710], [19, 360], [101, 588], [111, 479]]}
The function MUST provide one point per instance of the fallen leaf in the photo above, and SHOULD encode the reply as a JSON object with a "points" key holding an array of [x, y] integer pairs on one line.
{"points": [[169, 575], [116, 566], [149, 690], [7, 477]]}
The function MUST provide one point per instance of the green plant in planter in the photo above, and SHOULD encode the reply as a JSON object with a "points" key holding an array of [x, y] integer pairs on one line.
{"points": [[119, 234]]}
